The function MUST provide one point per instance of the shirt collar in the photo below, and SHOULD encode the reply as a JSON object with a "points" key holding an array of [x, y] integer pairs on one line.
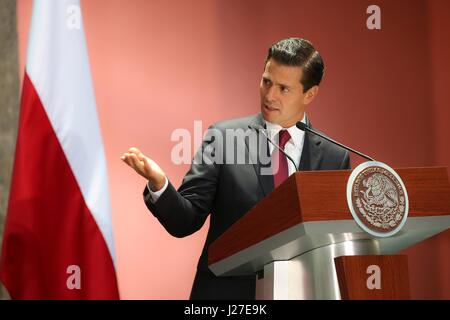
{"points": [[296, 134]]}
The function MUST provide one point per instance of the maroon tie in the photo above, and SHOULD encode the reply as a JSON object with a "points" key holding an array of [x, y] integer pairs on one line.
{"points": [[279, 158]]}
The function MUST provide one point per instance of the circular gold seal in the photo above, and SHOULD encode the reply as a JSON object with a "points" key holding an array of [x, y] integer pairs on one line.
{"points": [[377, 199]]}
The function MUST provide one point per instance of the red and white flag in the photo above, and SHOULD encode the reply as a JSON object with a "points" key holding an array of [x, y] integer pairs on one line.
{"points": [[58, 241]]}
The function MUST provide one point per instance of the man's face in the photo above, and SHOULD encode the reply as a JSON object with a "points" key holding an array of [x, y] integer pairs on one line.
{"points": [[282, 99]]}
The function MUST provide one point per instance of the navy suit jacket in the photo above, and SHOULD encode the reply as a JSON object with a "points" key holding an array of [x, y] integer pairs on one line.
{"points": [[226, 192]]}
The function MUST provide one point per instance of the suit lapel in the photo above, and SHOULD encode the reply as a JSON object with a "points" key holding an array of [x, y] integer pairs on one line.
{"points": [[256, 153], [311, 157], [312, 154]]}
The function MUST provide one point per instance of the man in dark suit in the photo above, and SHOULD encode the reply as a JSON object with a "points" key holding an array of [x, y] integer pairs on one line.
{"points": [[220, 184]]}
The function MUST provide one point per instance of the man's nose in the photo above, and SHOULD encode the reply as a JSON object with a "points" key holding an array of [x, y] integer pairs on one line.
{"points": [[271, 94]]}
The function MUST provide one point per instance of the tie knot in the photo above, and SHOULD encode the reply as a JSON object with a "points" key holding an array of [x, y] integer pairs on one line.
{"points": [[284, 137]]}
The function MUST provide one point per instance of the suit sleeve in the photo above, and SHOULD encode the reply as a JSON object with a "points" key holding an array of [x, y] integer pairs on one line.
{"points": [[184, 212]]}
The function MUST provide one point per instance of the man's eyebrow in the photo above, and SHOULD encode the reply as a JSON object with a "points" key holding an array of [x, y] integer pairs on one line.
{"points": [[277, 84], [283, 85]]}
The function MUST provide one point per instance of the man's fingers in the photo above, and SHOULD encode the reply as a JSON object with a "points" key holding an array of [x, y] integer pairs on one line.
{"points": [[125, 158], [136, 162], [139, 162], [132, 161], [144, 166], [146, 163], [134, 150]]}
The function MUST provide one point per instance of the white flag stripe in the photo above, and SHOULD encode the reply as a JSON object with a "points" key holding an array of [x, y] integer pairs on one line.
{"points": [[60, 74]]}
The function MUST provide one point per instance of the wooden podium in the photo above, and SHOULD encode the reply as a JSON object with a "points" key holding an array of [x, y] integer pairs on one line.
{"points": [[290, 239]]}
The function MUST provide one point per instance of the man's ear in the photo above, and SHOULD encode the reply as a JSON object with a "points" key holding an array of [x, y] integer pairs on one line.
{"points": [[311, 94]]}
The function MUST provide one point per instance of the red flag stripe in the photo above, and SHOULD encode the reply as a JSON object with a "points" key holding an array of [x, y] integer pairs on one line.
{"points": [[48, 226]]}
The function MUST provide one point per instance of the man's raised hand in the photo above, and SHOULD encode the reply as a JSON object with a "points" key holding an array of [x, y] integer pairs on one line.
{"points": [[146, 167]]}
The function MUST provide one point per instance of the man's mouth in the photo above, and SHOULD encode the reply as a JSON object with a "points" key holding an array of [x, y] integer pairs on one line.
{"points": [[270, 108]]}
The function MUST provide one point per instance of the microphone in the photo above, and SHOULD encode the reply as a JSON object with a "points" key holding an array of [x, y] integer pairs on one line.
{"points": [[260, 128], [305, 127]]}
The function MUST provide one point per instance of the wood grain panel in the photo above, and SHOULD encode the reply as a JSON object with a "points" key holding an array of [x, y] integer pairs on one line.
{"points": [[353, 275]]}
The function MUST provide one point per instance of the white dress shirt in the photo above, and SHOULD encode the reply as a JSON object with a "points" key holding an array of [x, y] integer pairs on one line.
{"points": [[294, 145], [293, 148]]}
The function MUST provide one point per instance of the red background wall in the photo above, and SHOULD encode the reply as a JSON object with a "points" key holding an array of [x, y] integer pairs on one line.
{"points": [[160, 65]]}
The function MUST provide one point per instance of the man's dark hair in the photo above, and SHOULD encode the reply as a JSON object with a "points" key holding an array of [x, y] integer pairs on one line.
{"points": [[300, 53]]}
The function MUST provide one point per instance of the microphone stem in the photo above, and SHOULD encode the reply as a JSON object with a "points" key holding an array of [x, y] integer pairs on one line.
{"points": [[282, 151], [340, 144]]}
